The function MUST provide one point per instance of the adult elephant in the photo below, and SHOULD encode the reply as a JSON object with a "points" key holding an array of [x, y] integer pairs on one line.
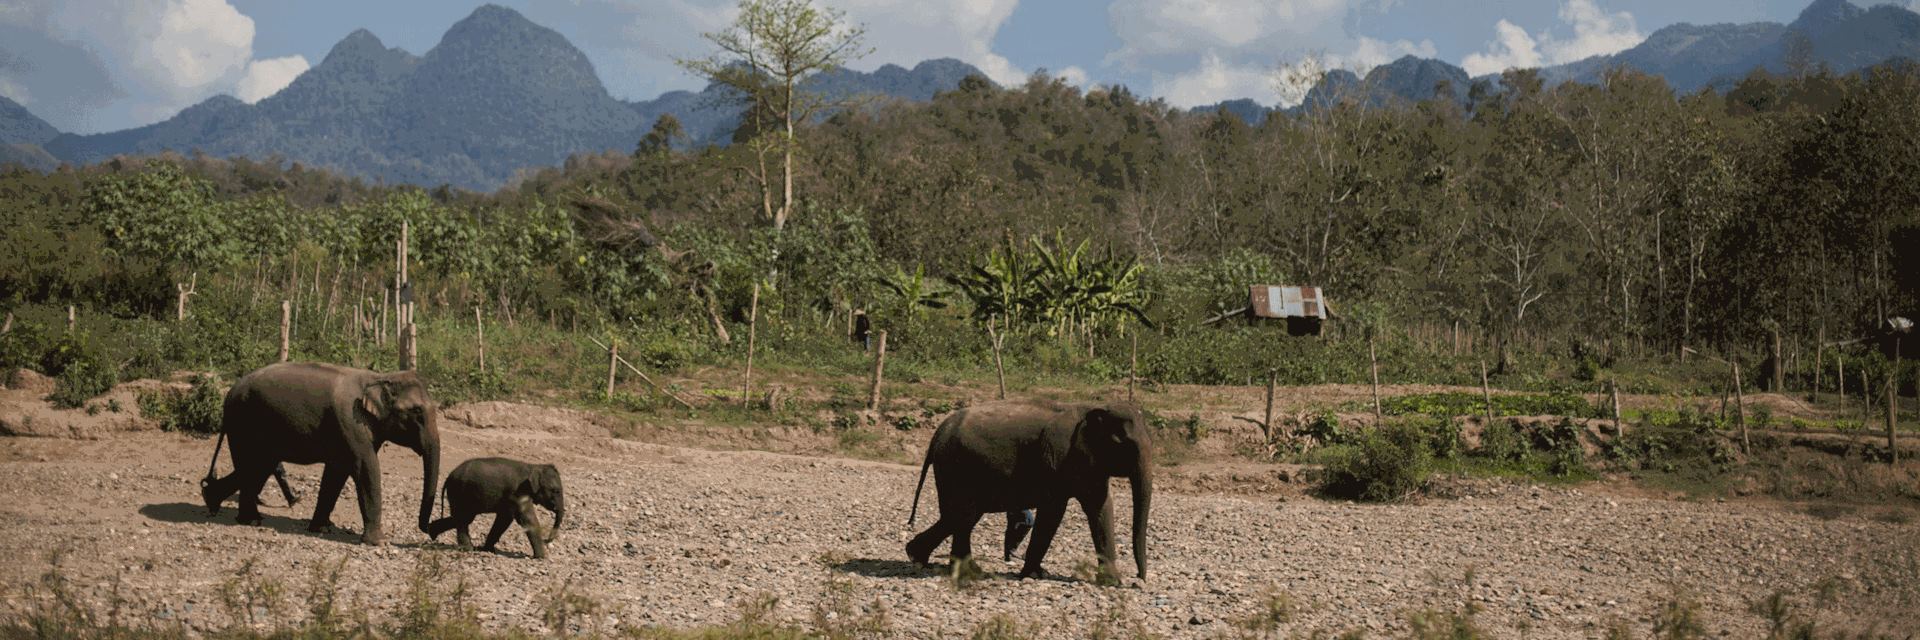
{"points": [[1010, 456], [308, 413]]}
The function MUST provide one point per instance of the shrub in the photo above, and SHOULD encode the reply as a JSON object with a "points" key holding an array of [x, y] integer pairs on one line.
{"points": [[81, 381], [196, 409], [1387, 464]]}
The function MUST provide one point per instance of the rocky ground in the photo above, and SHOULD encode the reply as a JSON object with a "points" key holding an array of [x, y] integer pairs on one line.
{"points": [[663, 535]]}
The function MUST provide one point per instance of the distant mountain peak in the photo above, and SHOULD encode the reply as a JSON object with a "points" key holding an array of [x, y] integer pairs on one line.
{"points": [[1825, 14]]}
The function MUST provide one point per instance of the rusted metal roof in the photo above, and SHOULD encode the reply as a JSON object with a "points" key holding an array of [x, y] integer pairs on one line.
{"points": [[1287, 301]]}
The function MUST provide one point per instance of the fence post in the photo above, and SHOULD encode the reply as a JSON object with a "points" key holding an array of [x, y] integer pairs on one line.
{"points": [[613, 362], [1486, 391], [1840, 379], [1613, 389], [1740, 409], [1373, 361], [879, 369], [999, 367], [1273, 377], [286, 328], [753, 321], [1133, 368], [480, 331]]}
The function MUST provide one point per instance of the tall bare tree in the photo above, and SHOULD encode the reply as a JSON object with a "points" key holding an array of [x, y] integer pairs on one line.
{"points": [[772, 47]]}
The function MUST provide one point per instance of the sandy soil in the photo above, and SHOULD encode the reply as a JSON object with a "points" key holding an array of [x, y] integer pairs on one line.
{"points": [[675, 536]]}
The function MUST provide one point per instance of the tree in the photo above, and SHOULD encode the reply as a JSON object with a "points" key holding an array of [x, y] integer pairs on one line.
{"points": [[772, 47]]}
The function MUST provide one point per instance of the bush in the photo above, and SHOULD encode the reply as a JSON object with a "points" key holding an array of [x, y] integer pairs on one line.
{"points": [[80, 381], [1446, 405], [193, 410], [1386, 465]]}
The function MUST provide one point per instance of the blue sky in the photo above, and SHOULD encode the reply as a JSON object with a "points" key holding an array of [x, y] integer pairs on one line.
{"points": [[97, 65]]}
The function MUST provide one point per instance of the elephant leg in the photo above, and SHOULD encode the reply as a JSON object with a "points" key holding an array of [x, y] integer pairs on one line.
{"points": [[452, 521], [963, 535], [466, 540], [1046, 523], [1018, 524], [333, 478], [921, 547], [286, 490], [217, 491], [523, 514], [501, 520], [366, 486], [250, 485], [1099, 510]]}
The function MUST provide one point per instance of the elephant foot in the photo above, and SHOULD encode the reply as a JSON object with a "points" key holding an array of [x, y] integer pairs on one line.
{"points": [[1034, 572], [253, 519], [320, 527], [206, 495], [373, 537]]}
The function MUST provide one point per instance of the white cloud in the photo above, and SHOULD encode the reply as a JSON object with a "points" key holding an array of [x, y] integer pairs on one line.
{"points": [[1595, 32], [1512, 48], [1074, 75], [267, 77], [1215, 80]]}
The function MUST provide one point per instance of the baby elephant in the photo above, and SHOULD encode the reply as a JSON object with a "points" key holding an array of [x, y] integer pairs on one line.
{"points": [[508, 489]]}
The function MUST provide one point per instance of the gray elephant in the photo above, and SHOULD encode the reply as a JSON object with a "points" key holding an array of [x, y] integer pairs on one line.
{"points": [[307, 413], [508, 489], [1011, 456]]}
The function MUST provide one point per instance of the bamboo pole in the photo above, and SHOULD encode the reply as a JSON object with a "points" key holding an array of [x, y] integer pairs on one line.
{"points": [[999, 366], [879, 369], [1373, 361], [643, 375], [480, 336], [1740, 409], [286, 329], [1266, 425], [1486, 391], [1133, 365], [613, 363], [753, 320]]}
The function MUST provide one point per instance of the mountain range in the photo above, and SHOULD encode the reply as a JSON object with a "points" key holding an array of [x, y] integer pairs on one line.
{"points": [[1836, 33], [499, 93]]}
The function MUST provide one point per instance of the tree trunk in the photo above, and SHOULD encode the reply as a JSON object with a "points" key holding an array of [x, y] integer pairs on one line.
{"points": [[879, 369], [753, 320]]}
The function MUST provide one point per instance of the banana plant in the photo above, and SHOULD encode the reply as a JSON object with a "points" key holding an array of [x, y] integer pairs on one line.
{"points": [[915, 292]]}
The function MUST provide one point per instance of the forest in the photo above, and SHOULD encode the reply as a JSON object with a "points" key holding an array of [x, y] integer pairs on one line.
{"points": [[1578, 223]]}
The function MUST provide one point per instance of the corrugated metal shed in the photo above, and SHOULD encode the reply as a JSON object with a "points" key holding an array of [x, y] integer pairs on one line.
{"points": [[1287, 301]]}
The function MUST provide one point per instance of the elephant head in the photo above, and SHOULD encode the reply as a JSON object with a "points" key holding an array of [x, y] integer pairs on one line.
{"points": [[543, 485], [1119, 444], [400, 411]]}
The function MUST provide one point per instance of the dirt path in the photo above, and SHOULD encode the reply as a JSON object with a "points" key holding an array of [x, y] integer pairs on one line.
{"points": [[672, 536]]}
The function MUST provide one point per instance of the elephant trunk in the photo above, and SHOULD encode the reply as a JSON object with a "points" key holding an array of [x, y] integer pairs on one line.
{"points": [[1142, 502], [429, 467], [559, 515]]}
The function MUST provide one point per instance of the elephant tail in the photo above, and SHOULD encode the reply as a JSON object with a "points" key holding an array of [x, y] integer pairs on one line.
{"points": [[915, 512], [211, 464]]}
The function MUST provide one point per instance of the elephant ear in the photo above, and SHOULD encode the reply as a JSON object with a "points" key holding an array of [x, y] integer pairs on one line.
{"points": [[377, 399], [1105, 427], [528, 487]]}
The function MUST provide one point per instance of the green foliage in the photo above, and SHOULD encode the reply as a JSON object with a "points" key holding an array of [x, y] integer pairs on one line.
{"points": [[1387, 464], [196, 409], [80, 381], [1547, 449], [1452, 404]]}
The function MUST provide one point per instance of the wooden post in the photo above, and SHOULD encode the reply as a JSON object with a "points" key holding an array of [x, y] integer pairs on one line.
{"points": [[1840, 379], [1374, 362], [1133, 368], [999, 367], [879, 369], [1273, 377], [1486, 391], [753, 320], [286, 329], [71, 317], [412, 345], [180, 302], [480, 336], [613, 362], [1893, 402], [1613, 389], [1740, 409], [1779, 363]]}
